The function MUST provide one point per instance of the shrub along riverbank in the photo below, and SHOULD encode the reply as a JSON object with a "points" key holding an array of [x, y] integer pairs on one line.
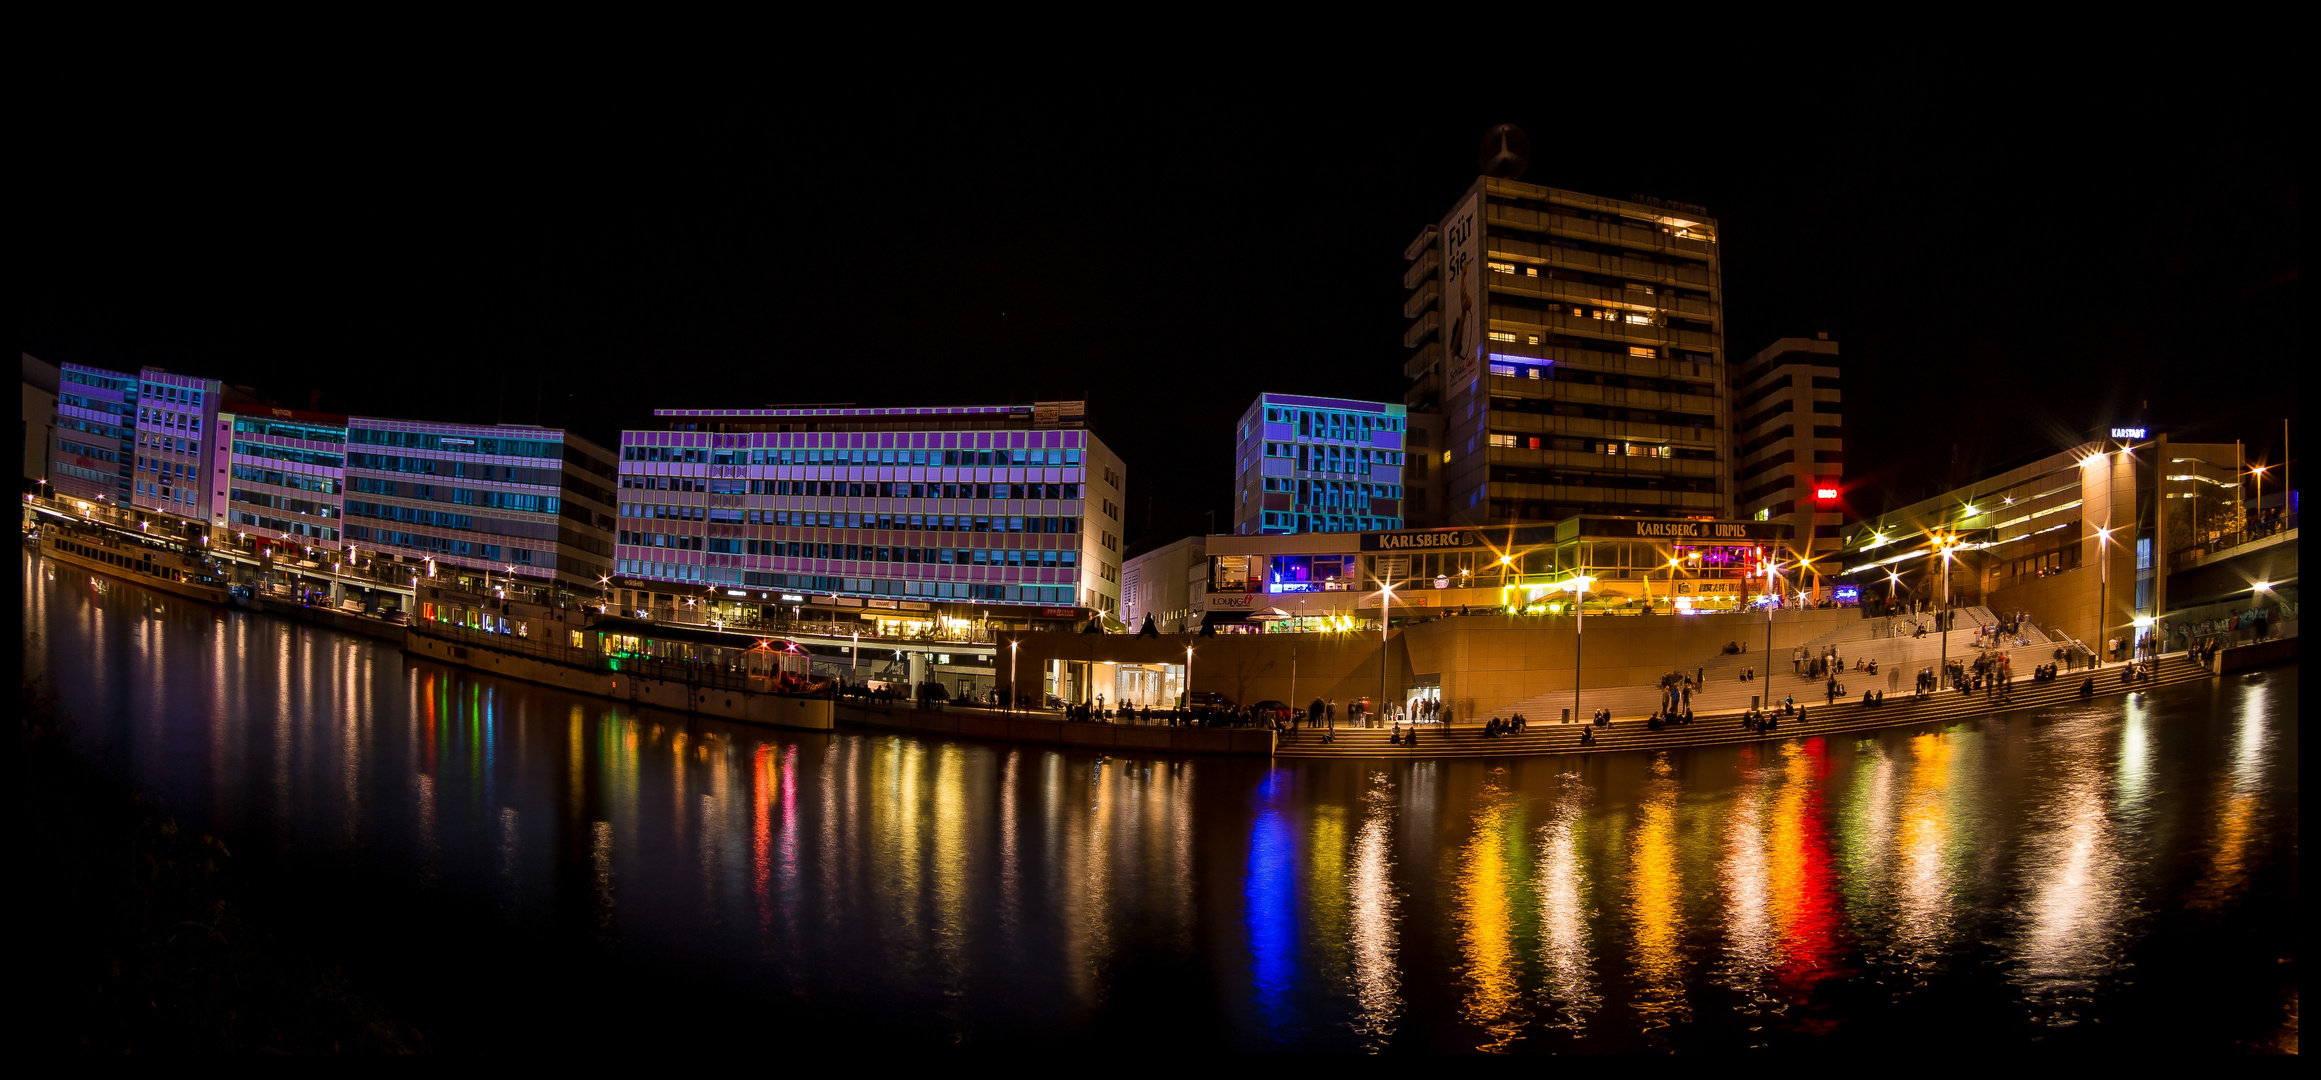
{"points": [[140, 938]]}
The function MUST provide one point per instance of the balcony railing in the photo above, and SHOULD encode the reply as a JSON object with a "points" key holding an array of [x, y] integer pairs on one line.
{"points": [[2216, 545]]}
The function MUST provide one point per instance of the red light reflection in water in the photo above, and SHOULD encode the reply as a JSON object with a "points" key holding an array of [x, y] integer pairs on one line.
{"points": [[1810, 905]]}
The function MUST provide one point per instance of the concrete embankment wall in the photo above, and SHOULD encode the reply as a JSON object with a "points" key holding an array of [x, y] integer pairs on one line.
{"points": [[364, 625], [1477, 660], [1043, 731], [812, 714], [2261, 654]]}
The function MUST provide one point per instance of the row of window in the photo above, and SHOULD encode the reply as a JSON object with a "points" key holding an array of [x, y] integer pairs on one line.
{"points": [[1310, 522], [833, 520], [174, 420], [1324, 424], [972, 459], [85, 450], [459, 444], [847, 489], [174, 470], [290, 454], [320, 485], [459, 496], [1518, 474], [318, 533], [282, 502], [798, 549], [439, 519], [289, 429]]}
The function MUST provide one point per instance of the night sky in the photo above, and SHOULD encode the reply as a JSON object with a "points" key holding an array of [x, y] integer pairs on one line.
{"points": [[2005, 268]]}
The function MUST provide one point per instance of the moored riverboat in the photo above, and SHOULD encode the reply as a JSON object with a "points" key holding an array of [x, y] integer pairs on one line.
{"points": [[144, 563]]}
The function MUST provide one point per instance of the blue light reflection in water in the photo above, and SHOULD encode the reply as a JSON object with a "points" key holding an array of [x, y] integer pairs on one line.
{"points": [[1269, 903]]}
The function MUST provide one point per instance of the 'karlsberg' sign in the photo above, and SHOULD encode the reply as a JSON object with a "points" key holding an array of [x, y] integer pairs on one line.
{"points": [[1419, 541], [1684, 529]]}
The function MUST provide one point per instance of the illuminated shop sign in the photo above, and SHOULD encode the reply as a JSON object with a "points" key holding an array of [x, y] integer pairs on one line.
{"points": [[2130, 433], [1418, 541], [453, 440], [1825, 494], [1682, 529], [1849, 594]]}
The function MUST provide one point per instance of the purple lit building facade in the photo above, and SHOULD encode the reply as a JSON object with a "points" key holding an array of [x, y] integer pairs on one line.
{"points": [[911, 515], [1318, 464], [176, 415]]}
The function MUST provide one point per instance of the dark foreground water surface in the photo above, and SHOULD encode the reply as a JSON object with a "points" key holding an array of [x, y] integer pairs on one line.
{"points": [[515, 867]]}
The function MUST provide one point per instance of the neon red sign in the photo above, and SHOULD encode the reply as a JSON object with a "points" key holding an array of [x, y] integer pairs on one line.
{"points": [[1825, 494]]}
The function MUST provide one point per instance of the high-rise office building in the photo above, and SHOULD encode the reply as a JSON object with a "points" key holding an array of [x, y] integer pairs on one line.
{"points": [[281, 474], [1573, 348], [95, 443], [176, 415], [135, 440], [917, 517], [1317, 464], [1789, 446], [514, 505]]}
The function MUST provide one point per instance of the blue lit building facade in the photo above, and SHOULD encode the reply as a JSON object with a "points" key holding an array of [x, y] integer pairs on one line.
{"points": [[94, 450], [912, 516], [475, 503], [1318, 464], [281, 475]]}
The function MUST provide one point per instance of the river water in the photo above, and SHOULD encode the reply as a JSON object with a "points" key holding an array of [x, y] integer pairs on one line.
{"points": [[519, 867]]}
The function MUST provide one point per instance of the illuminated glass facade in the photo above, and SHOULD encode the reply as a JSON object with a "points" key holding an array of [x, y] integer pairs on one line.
{"points": [[935, 511], [281, 476], [533, 503], [1318, 464]]}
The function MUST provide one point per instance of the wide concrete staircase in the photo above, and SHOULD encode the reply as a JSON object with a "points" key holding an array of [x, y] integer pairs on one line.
{"points": [[1722, 689], [1467, 740]]}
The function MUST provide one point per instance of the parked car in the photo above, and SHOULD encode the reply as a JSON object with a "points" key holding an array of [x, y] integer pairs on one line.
{"points": [[1208, 699]]}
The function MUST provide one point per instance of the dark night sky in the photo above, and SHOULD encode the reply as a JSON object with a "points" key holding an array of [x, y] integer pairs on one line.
{"points": [[2003, 270]]}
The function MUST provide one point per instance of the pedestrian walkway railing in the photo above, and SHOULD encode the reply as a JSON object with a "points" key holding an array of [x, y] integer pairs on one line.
{"points": [[2216, 545]]}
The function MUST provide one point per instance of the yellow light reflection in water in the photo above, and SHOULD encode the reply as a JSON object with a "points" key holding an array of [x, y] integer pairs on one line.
{"points": [[1922, 889], [950, 863], [1327, 900], [1656, 902], [1564, 913], [2237, 806], [2074, 876], [1371, 910], [1487, 917]]}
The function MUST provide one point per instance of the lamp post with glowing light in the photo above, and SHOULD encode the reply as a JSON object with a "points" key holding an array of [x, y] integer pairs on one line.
{"points": [[2103, 588], [2258, 472], [1385, 620], [1012, 646], [1578, 585], [1946, 543]]}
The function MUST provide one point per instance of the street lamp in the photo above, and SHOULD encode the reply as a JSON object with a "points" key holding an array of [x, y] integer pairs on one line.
{"points": [[854, 663], [1188, 692], [2103, 585], [1579, 590], [2257, 471], [1946, 543]]}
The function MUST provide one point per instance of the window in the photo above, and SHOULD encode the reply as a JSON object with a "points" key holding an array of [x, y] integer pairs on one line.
{"points": [[1502, 439], [1644, 351], [1502, 335], [1500, 267]]}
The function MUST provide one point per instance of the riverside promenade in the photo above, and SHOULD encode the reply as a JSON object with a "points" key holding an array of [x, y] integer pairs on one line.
{"points": [[1844, 717]]}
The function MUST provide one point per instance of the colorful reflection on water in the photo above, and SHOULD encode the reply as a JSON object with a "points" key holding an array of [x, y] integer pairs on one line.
{"points": [[2040, 867]]}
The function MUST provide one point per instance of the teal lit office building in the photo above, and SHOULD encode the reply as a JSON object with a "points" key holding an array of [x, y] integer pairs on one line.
{"points": [[1306, 464]]}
